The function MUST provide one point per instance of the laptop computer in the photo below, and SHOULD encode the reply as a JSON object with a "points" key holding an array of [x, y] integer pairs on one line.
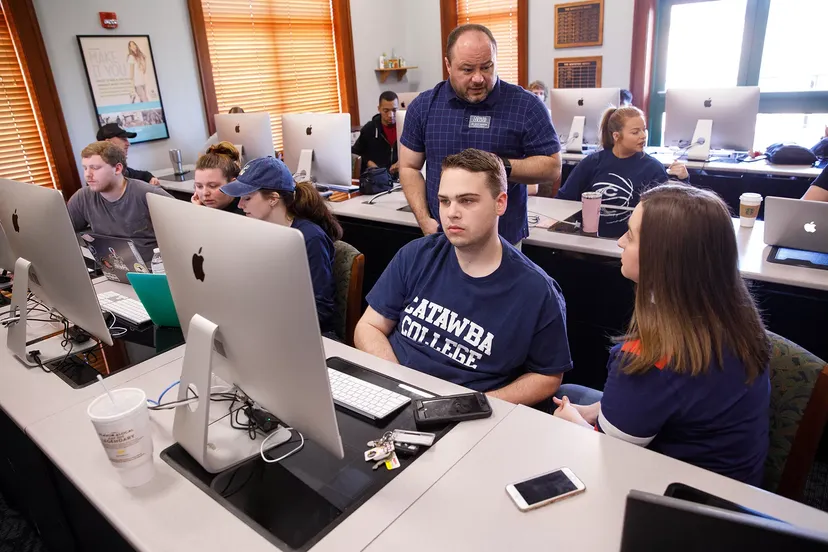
{"points": [[115, 256], [796, 223], [153, 290]]}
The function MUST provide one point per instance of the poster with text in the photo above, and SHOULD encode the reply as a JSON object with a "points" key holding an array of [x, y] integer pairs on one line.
{"points": [[124, 87]]}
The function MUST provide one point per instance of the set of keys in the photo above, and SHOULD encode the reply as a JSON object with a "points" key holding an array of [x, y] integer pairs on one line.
{"points": [[399, 441]]}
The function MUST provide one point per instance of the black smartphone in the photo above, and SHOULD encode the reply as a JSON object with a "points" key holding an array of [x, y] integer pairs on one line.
{"points": [[454, 408]]}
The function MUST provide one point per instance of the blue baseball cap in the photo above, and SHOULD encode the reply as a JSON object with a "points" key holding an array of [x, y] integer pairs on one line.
{"points": [[264, 173]]}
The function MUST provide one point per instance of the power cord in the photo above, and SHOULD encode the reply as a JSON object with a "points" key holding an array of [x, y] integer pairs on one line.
{"points": [[395, 188], [284, 456]]}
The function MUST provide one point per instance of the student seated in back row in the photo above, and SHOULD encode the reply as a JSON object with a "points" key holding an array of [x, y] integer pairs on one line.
{"points": [[268, 193], [111, 204], [690, 378], [213, 170], [818, 190], [377, 142], [465, 305], [111, 132]]}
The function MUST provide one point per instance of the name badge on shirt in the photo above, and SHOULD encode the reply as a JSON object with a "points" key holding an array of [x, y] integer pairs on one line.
{"points": [[479, 121]]}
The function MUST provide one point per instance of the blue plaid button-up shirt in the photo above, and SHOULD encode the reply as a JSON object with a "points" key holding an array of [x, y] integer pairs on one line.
{"points": [[510, 122]]}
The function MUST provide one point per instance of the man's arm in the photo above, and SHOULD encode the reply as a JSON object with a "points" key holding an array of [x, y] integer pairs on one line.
{"points": [[528, 389], [75, 209], [414, 188], [538, 168], [371, 335], [815, 193]]}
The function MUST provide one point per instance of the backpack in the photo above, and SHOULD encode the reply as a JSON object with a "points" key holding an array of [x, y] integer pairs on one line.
{"points": [[375, 180], [790, 154]]}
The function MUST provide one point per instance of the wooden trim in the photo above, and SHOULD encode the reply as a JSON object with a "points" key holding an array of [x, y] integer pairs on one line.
{"points": [[643, 53], [806, 442], [23, 19], [345, 58], [523, 42], [448, 21], [353, 310], [205, 67]]}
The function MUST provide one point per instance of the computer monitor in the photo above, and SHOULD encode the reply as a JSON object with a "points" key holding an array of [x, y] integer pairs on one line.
{"points": [[576, 114], [654, 522], [49, 262], [711, 118], [406, 98], [320, 145], [400, 124], [7, 258], [250, 130], [243, 293]]}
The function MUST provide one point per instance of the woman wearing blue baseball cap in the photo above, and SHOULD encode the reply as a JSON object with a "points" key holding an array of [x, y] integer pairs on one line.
{"points": [[269, 193]]}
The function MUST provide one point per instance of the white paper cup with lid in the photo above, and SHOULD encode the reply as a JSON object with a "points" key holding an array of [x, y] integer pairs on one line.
{"points": [[125, 433], [749, 204]]}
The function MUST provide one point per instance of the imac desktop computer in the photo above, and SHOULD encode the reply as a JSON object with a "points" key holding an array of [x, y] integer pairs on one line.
{"points": [[405, 98], [319, 145], [699, 120], [252, 131], [7, 260], [576, 115], [50, 264], [243, 293]]}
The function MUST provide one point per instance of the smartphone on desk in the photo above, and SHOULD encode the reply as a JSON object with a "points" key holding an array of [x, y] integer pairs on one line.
{"points": [[545, 489], [454, 408]]}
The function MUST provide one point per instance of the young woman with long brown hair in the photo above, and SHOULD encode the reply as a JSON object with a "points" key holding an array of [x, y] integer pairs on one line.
{"points": [[213, 170], [268, 193], [689, 378]]}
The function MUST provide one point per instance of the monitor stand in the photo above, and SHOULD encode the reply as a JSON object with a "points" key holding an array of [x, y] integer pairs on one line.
{"points": [[699, 149], [305, 164], [575, 140], [50, 349], [217, 446]]}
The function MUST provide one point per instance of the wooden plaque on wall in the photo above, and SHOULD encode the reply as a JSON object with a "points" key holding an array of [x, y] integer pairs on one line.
{"points": [[579, 24], [578, 72]]}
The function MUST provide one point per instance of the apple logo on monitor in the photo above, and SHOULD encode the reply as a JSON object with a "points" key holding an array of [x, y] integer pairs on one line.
{"points": [[238, 128], [810, 227], [581, 102], [309, 130], [198, 265], [708, 102], [15, 222]]}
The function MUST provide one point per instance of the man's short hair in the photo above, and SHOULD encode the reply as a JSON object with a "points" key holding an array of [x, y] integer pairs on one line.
{"points": [[479, 161], [388, 96], [454, 35], [109, 152]]}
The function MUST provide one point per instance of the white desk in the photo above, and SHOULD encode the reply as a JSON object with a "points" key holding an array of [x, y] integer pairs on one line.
{"points": [[753, 252], [171, 513], [468, 508], [188, 186]]}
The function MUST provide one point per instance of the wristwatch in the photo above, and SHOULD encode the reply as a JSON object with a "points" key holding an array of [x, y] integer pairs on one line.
{"points": [[508, 165]]}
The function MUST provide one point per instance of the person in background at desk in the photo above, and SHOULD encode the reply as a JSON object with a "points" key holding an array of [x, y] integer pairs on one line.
{"points": [[476, 109], [626, 97], [818, 190], [377, 142], [111, 204], [213, 139], [620, 170], [466, 306], [111, 132], [213, 170], [539, 89], [268, 193], [690, 378]]}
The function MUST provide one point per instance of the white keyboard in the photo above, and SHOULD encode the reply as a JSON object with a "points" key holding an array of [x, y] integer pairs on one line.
{"points": [[366, 399], [123, 307]]}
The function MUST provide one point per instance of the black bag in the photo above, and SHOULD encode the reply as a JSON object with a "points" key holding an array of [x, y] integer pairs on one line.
{"points": [[790, 154], [821, 149], [374, 181]]}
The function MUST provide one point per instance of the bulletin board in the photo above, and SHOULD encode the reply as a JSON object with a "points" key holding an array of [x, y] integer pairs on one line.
{"points": [[578, 72], [579, 24]]}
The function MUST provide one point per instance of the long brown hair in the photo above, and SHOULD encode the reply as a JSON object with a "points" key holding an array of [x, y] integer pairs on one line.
{"points": [[305, 202], [613, 120], [223, 156], [691, 303]]}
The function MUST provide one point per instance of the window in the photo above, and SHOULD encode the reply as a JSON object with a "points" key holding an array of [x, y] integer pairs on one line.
{"points": [[25, 155], [508, 21], [774, 44], [278, 56]]}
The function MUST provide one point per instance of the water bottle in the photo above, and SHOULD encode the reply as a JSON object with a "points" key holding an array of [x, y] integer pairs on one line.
{"points": [[157, 263]]}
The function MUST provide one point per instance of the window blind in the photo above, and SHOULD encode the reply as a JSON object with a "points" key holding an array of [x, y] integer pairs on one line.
{"points": [[501, 17]]}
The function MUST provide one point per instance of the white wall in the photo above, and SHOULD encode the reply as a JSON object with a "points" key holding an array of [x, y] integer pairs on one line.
{"points": [[167, 22], [616, 50]]}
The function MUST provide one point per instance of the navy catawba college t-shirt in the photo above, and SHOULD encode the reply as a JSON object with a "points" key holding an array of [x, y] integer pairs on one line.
{"points": [[481, 333]]}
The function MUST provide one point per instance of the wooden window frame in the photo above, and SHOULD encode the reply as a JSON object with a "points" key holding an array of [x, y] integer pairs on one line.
{"points": [[344, 54], [448, 21], [23, 19]]}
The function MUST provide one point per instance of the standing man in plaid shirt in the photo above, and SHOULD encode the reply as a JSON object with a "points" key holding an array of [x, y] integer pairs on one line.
{"points": [[475, 109]]}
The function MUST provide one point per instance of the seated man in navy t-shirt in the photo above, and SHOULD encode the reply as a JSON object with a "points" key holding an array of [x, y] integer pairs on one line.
{"points": [[466, 306]]}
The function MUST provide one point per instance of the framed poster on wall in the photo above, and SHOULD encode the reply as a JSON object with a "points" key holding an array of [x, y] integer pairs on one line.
{"points": [[120, 71], [578, 72]]}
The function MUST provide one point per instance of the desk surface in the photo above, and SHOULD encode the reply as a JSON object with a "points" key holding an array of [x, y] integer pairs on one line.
{"points": [[188, 186], [468, 509], [170, 513], [753, 252]]}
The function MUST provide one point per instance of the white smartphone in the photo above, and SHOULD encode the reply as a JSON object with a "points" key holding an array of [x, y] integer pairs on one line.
{"points": [[544, 489]]}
